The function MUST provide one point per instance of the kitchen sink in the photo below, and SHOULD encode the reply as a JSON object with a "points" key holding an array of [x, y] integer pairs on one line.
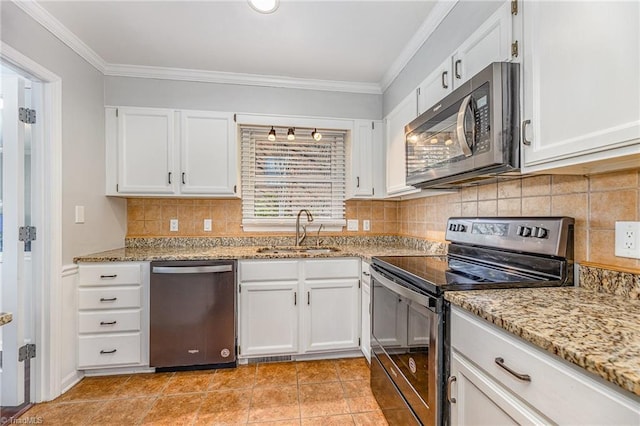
{"points": [[297, 250]]}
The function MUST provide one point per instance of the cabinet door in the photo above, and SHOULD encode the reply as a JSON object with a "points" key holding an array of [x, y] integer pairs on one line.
{"points": [[435, 87], [146, 151], [365, 344], [208, 153], [581, 81], [331, 315], [489, 43], [476, 400], [362, 159], [395, 144], [268, 318]]}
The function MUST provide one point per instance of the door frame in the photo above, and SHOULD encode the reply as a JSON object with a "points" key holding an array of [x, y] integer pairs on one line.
{"points": [[47, 216]]}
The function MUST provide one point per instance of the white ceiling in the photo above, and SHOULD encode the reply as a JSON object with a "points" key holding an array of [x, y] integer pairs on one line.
{"points": [[348, 40]]}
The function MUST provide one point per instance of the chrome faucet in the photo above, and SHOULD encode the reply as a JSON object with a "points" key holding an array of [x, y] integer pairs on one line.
{"points": [[300, 239]]}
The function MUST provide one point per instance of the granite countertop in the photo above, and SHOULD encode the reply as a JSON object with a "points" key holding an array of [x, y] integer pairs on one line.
{"points": [[240, 252], [5, 318], [597, 331]]}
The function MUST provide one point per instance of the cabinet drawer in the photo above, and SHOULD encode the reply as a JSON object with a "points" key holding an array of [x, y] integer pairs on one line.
{"points": [[109, 298], [103, 274], [332, 268], [108, 321], [268, 270], [560, 391], [106, 351]]}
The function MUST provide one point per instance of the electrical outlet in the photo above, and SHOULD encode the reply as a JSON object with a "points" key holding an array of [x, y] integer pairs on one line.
{"points": [[173, 225], [366, 225], [352, 225], [207, 225], [627, 239]]}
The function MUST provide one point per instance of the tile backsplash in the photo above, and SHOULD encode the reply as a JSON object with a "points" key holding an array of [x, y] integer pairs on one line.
{"points": [[596, 202]]}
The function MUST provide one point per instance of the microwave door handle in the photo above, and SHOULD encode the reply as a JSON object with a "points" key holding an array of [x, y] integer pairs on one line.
{"points": [[462, 139]]}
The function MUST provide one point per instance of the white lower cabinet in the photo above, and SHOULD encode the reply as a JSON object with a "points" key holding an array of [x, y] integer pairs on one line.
{"points": [[365, 311], [112, 315], [269, 318], [290, 307], [540, 389]]}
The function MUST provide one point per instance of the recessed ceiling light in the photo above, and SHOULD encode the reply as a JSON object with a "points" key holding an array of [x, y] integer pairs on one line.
{"points": [[264, 6]]}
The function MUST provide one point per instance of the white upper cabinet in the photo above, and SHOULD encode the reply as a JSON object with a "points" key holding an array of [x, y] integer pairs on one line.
{"points": [[145, 151], [581, 86], [208, 153], [152, 151], [491, 42], [395, 146], [366, 160]]}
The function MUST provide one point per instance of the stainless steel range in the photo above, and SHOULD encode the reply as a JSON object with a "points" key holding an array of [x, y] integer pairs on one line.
{"points": [[409, 339]]}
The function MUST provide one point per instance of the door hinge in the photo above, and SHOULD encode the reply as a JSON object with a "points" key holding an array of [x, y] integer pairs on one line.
{"points": [[26, 352], [27, 233], [514, 7], [514, 49], [26, 115]]}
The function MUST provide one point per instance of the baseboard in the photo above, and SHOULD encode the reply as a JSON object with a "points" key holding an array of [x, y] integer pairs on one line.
{"points": [[70, 380]]}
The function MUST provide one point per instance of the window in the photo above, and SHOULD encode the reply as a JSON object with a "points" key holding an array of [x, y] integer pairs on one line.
{"points": [[281, 177]]}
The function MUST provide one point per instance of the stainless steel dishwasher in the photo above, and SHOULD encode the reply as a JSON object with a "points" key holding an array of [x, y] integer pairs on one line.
{"points": [[193, 314]]}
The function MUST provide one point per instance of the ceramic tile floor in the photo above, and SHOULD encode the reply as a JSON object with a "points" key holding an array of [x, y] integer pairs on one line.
{"points": [[328, 392]]}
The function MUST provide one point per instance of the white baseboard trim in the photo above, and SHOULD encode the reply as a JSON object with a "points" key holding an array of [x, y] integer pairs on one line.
{"points": [[70, 380]]}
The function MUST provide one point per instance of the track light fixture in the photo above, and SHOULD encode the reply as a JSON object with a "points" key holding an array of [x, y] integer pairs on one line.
{"points": [[272, 134], [291, 134], [316, 135]]}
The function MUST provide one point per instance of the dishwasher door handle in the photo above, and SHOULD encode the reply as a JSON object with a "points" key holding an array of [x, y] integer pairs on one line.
{"points": [[191, 269]]}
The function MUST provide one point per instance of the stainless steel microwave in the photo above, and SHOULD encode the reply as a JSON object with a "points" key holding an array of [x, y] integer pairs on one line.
{"points": [[470, 135]]}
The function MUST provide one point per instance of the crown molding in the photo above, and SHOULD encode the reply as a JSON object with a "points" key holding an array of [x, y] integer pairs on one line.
{"points": [[55, 27], [139, 71], [49, 22], [440, 10]]}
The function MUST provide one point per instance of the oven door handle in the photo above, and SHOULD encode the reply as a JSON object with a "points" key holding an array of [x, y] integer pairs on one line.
{"points": [[426, 301]]}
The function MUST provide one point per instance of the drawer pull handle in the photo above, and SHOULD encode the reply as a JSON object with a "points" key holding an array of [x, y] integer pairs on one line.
{"points": [[104, 277], [366, 274], [108, 322], [109, 299], [112, 351], [523, 377], [450, 381]]}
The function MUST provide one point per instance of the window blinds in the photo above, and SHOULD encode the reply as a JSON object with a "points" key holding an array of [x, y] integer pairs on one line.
{"points": [[282, 177]]}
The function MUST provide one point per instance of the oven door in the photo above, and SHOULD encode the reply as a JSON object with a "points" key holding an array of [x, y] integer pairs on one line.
{"points": [[406, 343]]}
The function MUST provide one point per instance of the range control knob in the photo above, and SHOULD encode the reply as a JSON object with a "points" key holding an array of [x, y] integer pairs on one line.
{"points": [[524, 231], [539, 232], [457, 227]]}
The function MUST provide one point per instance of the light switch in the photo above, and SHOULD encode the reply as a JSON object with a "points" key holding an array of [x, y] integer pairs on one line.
{"points": [[366, 225], [173, 225], [79, 214], [352, 225], [207, 224]]}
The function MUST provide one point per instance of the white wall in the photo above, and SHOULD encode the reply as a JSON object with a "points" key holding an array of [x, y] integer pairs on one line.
{"points": [[129, 91], [459, 24], [83, 152]]}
